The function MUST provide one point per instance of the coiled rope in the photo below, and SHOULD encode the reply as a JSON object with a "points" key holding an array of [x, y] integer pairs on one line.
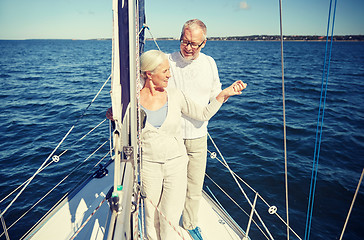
{"points": [[320, 120]]}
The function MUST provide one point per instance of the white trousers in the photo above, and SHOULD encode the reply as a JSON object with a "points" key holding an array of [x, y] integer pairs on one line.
{"points": [[164, 184], [197, 154]]}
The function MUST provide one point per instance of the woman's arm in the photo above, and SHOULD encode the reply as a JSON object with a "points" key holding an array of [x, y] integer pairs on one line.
{"points": [[234, 89], [195, 111]]}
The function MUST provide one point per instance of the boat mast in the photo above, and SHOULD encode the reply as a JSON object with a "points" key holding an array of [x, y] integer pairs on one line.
{"points": [[124, 105]]}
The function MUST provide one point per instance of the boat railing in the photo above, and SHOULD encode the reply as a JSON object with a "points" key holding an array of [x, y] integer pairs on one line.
{"points": [[272, 209], [55, 158]]}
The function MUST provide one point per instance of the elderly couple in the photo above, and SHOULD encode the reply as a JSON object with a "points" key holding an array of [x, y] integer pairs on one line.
{"points": [[174, 139]]}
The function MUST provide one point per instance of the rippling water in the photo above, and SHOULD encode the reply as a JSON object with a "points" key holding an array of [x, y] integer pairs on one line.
{"points": [[47, 84]]}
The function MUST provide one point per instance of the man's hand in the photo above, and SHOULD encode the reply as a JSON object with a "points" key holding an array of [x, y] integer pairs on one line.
{"points": [[109, 114]]}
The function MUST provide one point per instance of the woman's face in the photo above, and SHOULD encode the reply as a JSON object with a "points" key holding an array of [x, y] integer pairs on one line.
{"points": [[161, 75]]}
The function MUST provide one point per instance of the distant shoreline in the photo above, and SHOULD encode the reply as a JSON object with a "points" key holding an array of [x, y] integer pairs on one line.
{"points": [[303, 38], [278, 38]]}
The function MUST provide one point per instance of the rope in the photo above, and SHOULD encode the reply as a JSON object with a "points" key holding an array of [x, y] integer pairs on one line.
{"points": [[352, 203], [88, 219], [284, 119], [139, 138], [147, 27], [136, 225], [4, 227], [319, 131], [165, 218], [142, 221]]}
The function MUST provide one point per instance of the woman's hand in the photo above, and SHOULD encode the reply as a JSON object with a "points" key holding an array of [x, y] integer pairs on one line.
{"points": [[234, 89], [237, 88]]}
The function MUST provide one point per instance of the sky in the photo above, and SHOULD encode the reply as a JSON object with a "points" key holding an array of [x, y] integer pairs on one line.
{"points": [[89, 19]]}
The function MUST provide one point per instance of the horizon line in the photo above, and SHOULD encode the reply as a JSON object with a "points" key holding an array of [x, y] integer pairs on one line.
{"points": [[173, 38]]}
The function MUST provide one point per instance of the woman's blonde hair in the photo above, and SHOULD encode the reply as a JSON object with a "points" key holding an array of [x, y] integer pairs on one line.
{"points": [[150, 60]]}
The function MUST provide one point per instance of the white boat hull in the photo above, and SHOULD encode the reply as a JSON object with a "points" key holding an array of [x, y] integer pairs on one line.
{"points": [[85, 214]]}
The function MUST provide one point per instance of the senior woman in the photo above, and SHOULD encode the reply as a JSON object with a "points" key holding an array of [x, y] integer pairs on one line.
{"points": [[164, 164], [164, 157]]}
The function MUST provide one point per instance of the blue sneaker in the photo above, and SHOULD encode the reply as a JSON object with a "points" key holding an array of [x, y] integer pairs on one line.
{"points": [[195, 233]]}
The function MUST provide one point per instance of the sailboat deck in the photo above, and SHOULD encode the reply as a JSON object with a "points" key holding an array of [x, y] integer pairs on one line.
{"points": [[215, 223], [85, 214]]}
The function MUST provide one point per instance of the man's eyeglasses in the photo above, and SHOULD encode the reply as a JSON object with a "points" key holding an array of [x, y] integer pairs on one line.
{"points": [[192, 44]]}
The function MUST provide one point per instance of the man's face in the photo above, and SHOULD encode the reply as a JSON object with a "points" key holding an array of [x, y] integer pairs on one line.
{"points": [[191, 43]]}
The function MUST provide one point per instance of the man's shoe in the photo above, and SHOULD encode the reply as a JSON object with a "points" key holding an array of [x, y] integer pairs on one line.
{"points": [[195, 233]]}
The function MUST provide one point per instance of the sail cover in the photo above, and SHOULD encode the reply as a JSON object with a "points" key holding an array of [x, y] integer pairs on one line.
{"points": [[122, 54]]}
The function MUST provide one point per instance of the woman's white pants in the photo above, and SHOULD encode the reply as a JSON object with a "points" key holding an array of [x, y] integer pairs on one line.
{"points": [[164, 184]]}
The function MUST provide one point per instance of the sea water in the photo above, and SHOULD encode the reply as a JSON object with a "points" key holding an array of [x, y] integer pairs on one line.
{"points": [[47, 84]]}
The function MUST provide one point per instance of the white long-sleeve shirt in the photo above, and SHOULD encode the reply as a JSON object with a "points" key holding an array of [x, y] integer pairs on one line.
{"points": [[199, 80]]}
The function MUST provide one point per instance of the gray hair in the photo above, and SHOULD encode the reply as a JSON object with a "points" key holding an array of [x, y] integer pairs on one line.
{"points": [[150, 60], [194, 24]]}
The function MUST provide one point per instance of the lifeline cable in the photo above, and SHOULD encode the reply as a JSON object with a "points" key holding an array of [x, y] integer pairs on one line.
{"points": [[69, 174], [236, 204], [49, 163], [237, 182], [284, 119], [50, 155], [352, 203], [261, 198], [320, 124]]}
